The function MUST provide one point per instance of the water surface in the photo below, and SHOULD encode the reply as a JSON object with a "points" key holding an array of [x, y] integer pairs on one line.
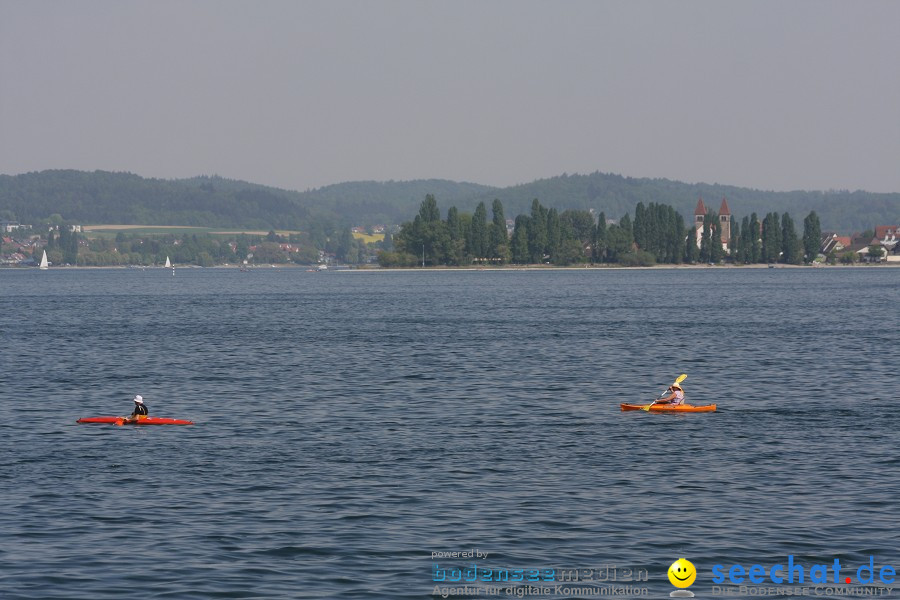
{"points": [[350, 424]]}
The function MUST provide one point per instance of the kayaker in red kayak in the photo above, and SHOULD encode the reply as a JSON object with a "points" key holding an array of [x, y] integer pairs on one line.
{"points": [[140, 410], [675, 397]]}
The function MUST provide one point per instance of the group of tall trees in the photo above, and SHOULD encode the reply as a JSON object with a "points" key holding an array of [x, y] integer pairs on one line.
{"points": [[459, 240], [547, 236], [775, 239], [660, 230], [65, 245], [544, 236], [657, 234]]}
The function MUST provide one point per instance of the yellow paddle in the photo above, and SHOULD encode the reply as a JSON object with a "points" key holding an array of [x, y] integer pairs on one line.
{"points": [[681, 378]]}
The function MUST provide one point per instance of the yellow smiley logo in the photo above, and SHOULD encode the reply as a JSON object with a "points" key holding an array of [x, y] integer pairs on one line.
{"points": [[682, 573]]}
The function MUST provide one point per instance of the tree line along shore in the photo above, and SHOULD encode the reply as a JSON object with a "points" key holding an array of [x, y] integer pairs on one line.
{"points": [[656, 235]]}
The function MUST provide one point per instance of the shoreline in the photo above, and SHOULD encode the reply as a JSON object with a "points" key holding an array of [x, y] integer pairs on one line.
{"points": [[532, 268], [536, 268]]}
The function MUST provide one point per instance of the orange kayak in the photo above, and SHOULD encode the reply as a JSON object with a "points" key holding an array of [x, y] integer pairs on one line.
{"points": [[145, 421], [679, 408]]}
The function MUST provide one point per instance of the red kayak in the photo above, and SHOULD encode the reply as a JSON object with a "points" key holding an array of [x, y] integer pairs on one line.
{"points": [[125, 421], [679, 408]]}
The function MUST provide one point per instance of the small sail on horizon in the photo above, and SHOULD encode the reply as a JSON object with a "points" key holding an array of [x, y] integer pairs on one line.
{"points": [[168, 264], [44, 264]]}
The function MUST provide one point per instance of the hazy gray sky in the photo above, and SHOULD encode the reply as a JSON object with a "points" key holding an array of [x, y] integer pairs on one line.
{"points": [[298, 94]]}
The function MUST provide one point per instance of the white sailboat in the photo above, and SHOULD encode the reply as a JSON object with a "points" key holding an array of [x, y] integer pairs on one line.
{"points": [[168, 264], [44, 264]]}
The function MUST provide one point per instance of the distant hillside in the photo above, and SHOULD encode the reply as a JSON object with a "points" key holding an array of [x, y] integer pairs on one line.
{"points": [[104, 197], [123, 198], [615, 195], [390, 202]]}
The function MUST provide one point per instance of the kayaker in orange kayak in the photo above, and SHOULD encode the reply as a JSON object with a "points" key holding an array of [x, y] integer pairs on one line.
{"points": [[140, 410], [675, 397]]}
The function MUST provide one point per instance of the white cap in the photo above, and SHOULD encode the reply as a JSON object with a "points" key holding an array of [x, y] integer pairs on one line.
{"points": [[139, 399]]}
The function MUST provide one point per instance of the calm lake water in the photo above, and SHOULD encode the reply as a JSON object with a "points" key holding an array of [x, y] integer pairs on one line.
{"points": [[349, 425]]}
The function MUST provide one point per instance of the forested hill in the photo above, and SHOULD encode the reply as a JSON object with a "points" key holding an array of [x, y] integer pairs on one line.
{"points": [[615, 195], [124, 198]]}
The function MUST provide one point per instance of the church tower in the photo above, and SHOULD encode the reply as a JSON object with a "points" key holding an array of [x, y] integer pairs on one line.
{"points": [[725, 224], [699, 215]]}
